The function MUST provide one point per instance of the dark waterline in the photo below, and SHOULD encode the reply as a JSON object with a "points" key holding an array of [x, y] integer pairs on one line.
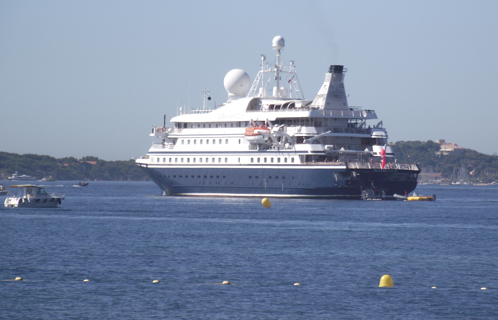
{"points": [[123, 235]]}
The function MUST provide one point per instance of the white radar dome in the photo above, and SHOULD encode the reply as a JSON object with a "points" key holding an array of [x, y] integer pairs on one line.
{"points": [[278, 43], [237, 83]]}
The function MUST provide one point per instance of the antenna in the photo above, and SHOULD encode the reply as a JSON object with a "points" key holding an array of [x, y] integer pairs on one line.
{"points": [[206, 96]]}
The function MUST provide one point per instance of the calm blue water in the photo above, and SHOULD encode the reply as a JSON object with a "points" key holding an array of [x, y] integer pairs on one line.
{"points": [[123, 235]]}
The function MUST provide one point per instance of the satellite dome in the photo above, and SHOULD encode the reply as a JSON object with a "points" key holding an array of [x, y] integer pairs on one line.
{"points": [[237, 83], [278, 43]]}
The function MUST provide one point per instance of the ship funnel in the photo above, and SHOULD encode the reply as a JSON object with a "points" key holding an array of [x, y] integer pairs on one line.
{"points": [[332, 94]]}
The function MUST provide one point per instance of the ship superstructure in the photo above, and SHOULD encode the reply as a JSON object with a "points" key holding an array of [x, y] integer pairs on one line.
{"points": [[268, 140]]}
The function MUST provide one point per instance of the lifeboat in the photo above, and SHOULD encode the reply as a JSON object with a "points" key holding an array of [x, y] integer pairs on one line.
{"points": [[257, 135]]}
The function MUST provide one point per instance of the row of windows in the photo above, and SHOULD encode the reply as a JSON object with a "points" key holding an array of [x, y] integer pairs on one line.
{"points": [[213, 160], [220, 141], [224, 177]]}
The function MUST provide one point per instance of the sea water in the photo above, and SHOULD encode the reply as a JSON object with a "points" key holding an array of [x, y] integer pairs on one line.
{"points": [[121, 236]]}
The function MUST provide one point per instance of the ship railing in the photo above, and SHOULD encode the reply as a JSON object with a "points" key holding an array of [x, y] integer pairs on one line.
{"points": [[350, 113], [325, 163], [377, 165]]}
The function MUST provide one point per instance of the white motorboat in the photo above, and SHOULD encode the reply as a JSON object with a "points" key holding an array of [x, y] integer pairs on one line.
{"points": [[32, 196], [17, 176]]}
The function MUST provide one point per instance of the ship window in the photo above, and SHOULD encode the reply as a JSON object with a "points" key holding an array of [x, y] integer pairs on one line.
{"points": [[292, 160], [180, 176], [157, 159], [210, 176], [170, 160], [210, 125], [193, 160], [219, 160], [213, 160], [265, 160], [164, 159], [278, 160], [207, 141], [283, 177], [239, 124], [239, 141], [188, 142], [224, 177], [214, 141], [232, 125], [252, 160], [174, 176], [182, 160], [207, 160], [256, 177], [220, 142], [276, 177], [188, 160], [198, 176], [176, 160], [226, 160], [271, 160], [200, 142], [195, 141], [259, 160], [285, 160], [183, 142], [225, 125], [205, 176], [239, 160], [226, 141], [269, 177], [200, 160], [250, 177], [204, 125], [217, 177]]}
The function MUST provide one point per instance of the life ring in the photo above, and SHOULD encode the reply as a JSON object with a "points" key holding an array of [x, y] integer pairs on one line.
{"points": [[164, 129]]}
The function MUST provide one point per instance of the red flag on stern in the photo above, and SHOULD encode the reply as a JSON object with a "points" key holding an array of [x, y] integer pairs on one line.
{"points": [[383, 156]]}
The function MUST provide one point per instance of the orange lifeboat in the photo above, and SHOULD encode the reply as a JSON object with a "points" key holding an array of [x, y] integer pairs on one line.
{"points": [[257, 134]]}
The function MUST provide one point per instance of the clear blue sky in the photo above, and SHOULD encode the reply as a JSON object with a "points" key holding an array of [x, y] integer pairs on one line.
{"points": [[82, 78]]}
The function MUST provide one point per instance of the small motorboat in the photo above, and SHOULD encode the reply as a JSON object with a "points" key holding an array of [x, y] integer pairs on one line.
{"points": [[17, 176], [31, 196], [3, 190], [80, 184], [415, 197]]}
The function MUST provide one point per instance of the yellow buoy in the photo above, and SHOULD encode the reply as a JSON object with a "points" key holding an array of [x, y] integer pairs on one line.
{"points": [[297, 284], [266, 203], [433, 287], [484, 288], [86, 280], [386, 281], [155, 281], [226, 282], [18, 279]]}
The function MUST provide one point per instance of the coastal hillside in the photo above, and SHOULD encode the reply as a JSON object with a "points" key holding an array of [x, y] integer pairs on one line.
{"points": [[447, 162], [440, 163], [86, 168]]}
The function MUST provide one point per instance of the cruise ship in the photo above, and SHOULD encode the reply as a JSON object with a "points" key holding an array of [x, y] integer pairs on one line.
{"points": [[267, 140]]}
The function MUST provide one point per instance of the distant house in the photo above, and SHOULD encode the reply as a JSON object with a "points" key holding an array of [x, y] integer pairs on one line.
{"points": [[448, 148]]}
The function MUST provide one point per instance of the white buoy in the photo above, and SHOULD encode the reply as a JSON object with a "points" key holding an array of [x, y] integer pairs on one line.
{"points": [[484, 288], [155, 281], [226, 282], [86, 280], [297, 284], [18, 279]]}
